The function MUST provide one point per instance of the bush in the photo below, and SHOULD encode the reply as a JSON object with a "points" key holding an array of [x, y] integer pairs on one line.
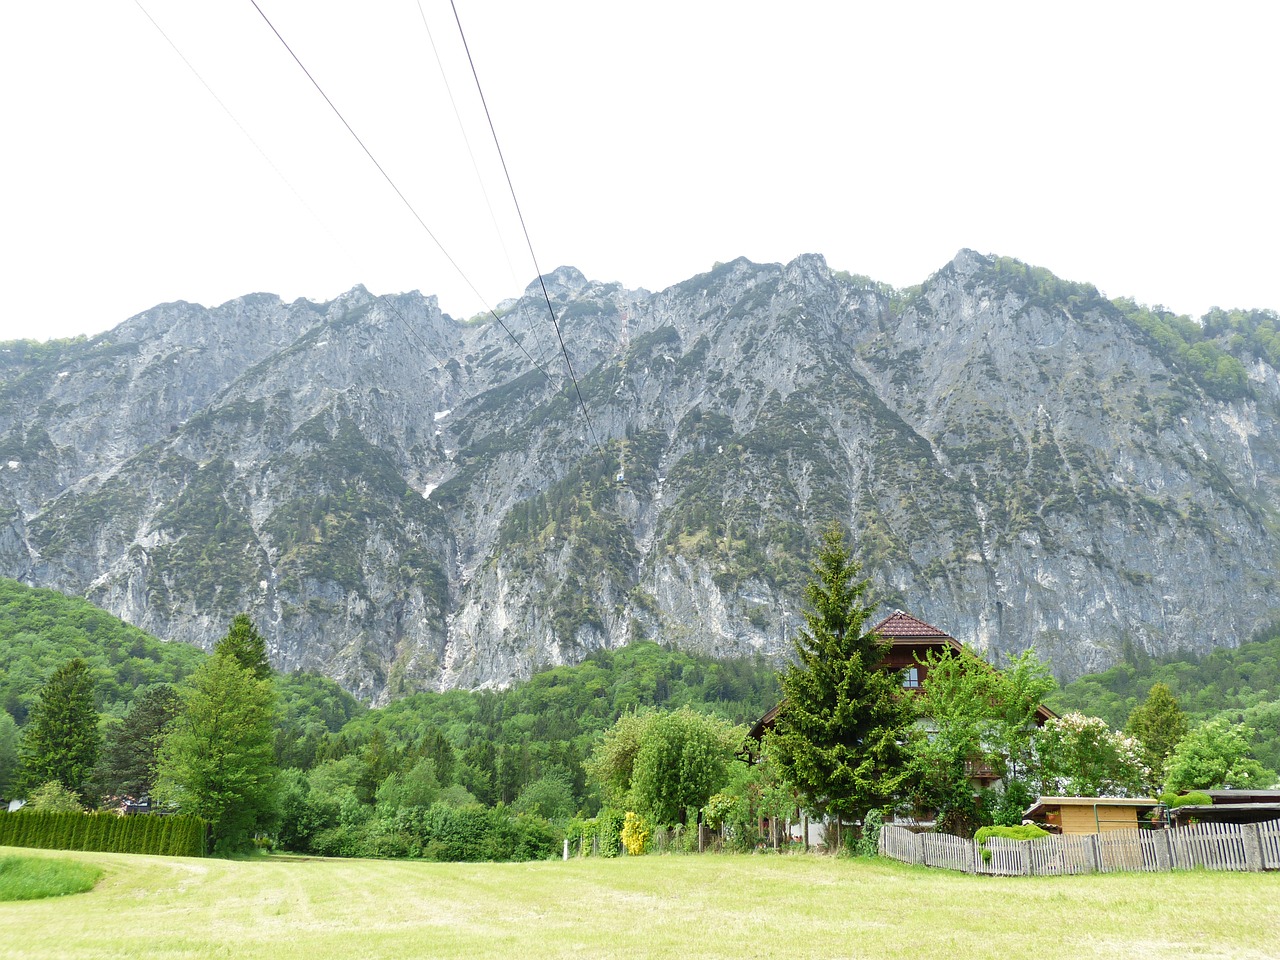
{"points": [[868, 844], [609, 832], [1193, 799], [636, 833], [1028, 831]]}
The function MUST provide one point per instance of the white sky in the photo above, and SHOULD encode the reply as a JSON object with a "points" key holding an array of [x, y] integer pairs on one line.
{"points": [[1131, 145]]}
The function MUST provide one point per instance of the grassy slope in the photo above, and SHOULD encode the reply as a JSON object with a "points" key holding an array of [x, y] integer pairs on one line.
{"points": [[677, 907]]}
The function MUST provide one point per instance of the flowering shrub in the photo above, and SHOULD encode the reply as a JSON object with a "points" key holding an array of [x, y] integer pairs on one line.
{"points": [[636, 833], [1083, 757]]}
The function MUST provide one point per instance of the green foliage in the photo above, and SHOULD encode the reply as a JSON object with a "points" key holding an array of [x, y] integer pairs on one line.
{"points": [[418, 787], [131, 751], [42, 629], [62, 740], [35, 878], [1028, 831], [549, 797], [977, 715], [217, 761], [441, 832], [9, 737], [1158, 724], [55, 798], [246, 645], [1216, 755], [167, 836], [1082, 757], [683, 758], [1191, 349], [1192, 799], [840, 732], [1241, 683], [663, 764]]}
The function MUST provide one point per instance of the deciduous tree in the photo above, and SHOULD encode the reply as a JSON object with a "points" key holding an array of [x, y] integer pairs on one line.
{"points": [[1216, 754], [217, 761], [1082, 757]]}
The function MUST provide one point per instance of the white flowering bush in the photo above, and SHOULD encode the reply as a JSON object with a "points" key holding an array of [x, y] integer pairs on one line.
{"points": [[1081, 756]]}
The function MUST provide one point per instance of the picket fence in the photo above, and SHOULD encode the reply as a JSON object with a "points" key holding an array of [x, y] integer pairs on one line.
{"points": [[1211, 846]]}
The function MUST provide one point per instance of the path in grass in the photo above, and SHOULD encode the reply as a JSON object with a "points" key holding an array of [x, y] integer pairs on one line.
{"points": [[663, 907]]}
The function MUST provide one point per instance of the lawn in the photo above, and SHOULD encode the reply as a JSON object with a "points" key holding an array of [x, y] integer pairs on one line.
{"points": [[665, 907]]}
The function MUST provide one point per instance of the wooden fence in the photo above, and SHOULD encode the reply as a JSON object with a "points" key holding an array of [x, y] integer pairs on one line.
{"points": [[1212, 846]]}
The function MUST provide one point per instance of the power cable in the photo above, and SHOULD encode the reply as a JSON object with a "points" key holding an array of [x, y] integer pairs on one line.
{"points": [[399, 193], [541, 281], [234, 119], [475, 166]]}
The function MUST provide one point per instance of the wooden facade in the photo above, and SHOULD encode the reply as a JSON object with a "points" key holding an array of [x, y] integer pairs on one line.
{"points": [[1073, 816]]}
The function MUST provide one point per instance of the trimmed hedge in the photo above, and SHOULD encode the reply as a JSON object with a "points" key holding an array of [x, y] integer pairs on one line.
{"points": [[1192, 799], [166, 836], [1027, 831]]}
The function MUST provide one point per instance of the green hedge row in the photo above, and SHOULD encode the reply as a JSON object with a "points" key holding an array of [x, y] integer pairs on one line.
{"points": [[169, 836]]}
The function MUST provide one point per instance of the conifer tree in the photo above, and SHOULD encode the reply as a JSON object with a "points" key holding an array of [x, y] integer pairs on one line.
{"points": [[247, 645], [61, 740], [840, 733], [1159, 725], [132, 748]]}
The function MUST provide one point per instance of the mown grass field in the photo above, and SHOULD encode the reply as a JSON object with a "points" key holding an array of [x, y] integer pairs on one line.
{"points": [[663, 907]]}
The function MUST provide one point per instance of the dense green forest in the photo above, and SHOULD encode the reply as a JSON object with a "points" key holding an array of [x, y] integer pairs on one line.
{"points": [[492, 744], [1241, 683], [41, 629]]}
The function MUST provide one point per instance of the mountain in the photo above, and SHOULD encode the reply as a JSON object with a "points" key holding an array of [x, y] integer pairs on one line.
{"points": [[403, 501]]}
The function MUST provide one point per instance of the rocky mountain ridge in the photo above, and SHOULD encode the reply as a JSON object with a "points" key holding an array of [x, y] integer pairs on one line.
{"points": [[404, 501]]}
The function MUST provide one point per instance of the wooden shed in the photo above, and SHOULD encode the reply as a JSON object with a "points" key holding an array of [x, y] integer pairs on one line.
{"points": [[1080, 815]]}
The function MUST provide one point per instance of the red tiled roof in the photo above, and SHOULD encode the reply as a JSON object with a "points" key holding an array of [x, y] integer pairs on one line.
{"points": [[904, 625]]}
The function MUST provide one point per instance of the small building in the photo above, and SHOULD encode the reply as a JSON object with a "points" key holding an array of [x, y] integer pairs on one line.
{"points": [[1230, 806], [1083, 815]]}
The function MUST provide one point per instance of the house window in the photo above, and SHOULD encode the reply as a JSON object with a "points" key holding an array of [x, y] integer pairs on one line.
{"points": [[911, 678]]}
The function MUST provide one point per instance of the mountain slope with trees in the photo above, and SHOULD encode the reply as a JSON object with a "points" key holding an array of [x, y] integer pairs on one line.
{"points": [[401, 502]]}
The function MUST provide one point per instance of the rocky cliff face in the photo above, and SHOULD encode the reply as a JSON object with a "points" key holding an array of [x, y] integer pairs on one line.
{"points": [[404, 501]]}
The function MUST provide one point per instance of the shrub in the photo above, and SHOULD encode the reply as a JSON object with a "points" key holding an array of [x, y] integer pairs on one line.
{"points": [[636, 833], [1193, 799], [1028, 831], [107, 832], [868, 844]]}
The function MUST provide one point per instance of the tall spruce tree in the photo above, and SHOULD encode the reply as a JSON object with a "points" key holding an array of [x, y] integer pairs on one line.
{"points": [[247, 645], [61, 740], [840, 733]]}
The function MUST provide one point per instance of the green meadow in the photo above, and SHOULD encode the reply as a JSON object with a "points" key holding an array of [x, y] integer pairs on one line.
{"points": [[663, 907]]}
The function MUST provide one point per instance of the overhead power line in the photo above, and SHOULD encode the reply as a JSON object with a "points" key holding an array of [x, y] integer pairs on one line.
{"points": [[409, 328], [510, 186], [403, 199]]}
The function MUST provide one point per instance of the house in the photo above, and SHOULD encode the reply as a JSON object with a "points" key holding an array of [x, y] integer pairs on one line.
{"points": [[1084, 815], [911, 640]]}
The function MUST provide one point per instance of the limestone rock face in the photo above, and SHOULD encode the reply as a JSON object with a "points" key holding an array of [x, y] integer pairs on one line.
{"points": [[403, 501]]}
